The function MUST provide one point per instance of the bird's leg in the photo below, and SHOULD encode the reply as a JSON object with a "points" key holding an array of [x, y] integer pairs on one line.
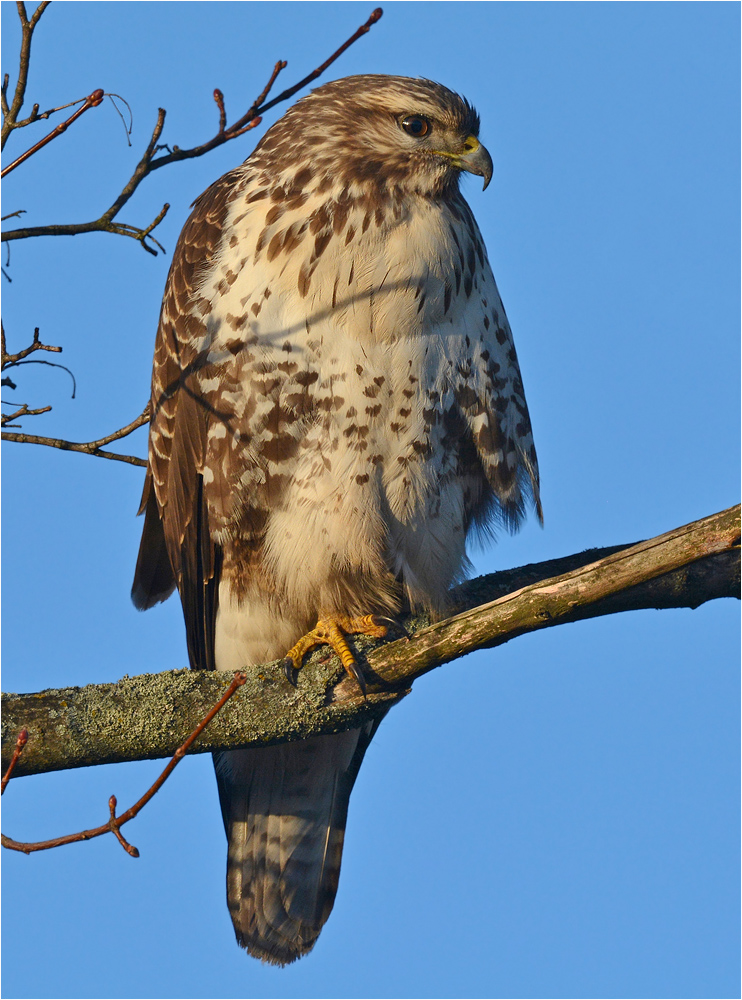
{"points": [[331, 630]]}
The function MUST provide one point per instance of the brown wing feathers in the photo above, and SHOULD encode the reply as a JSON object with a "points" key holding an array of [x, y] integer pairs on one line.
{"points": [[176, 547]]}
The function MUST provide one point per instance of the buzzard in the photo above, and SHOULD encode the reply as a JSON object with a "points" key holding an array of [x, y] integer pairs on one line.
{"points": [[336, 406]]}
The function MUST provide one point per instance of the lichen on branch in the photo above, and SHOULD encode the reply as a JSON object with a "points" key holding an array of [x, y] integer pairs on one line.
{"points": [[149, 716]]}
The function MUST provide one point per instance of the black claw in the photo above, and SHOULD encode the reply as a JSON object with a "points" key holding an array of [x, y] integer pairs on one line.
{"points": [[360, 680], [379, 619], [292, 674]]}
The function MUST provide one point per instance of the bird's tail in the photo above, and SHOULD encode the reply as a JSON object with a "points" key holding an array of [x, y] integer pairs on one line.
{"points": [[284, 810]]}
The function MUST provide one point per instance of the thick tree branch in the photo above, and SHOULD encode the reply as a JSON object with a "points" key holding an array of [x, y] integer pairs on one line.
{"points": [[660, 572], [148, 716]]}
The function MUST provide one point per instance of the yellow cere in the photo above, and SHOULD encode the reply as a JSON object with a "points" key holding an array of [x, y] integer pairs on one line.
{"points": [[471, 145]]}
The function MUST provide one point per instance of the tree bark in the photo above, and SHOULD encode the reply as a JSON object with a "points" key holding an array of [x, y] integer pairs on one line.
{"points": [[149, 716]]}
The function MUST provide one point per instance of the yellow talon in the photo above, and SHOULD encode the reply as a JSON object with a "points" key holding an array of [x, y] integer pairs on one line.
{"points": [[331, 630]]}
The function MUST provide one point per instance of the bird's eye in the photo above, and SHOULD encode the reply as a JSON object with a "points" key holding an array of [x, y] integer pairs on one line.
{"points": [[416, 126]]}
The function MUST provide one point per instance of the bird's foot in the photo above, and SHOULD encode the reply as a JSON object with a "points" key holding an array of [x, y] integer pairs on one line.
{"points": [[331, 630]]}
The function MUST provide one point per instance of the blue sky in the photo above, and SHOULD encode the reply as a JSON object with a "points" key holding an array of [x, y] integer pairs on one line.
{"points": [[554, 818]]}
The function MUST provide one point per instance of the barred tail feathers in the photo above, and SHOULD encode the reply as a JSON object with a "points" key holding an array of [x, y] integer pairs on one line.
{"points": [[284, 810]]}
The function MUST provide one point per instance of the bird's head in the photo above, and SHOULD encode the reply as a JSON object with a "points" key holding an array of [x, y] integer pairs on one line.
{"points": [[383, 131]]}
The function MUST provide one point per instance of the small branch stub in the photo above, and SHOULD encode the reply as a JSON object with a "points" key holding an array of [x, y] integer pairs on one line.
{"points": [[19, 745]]}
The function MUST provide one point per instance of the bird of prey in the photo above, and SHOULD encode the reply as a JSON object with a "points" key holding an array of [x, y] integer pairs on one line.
{"points": [[336, 405]]}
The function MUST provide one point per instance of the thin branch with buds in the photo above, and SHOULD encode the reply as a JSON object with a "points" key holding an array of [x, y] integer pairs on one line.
{"points": [[150, 162], [115, 823], [286, 94], [91, 101]]}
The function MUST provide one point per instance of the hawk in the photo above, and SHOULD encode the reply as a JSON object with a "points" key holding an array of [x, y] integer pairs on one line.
{"points": [[336, 406]]}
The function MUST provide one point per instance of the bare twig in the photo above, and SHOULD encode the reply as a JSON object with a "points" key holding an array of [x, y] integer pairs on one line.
{"points": [[6, 420], [219, 98], [115, 823], [19, 745], [150, 162], [363, 30], [127, 128], [37, 116], [113, 826], [105, 222], [258, 102], [87, 447], [141, 234], [91, 101], [245, 122], [258, 108], [10, 113], [22, 358], [10, 360], [51, 364]]}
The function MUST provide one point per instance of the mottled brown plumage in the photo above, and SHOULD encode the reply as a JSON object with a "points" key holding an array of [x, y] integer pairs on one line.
{"points": [[336, 404]]}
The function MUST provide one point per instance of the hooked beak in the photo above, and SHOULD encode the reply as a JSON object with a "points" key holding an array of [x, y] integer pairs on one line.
{"points": [[475, 159]]}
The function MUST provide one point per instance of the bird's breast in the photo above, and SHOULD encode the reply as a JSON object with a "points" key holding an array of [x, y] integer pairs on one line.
{"points": [[337, 349]]}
